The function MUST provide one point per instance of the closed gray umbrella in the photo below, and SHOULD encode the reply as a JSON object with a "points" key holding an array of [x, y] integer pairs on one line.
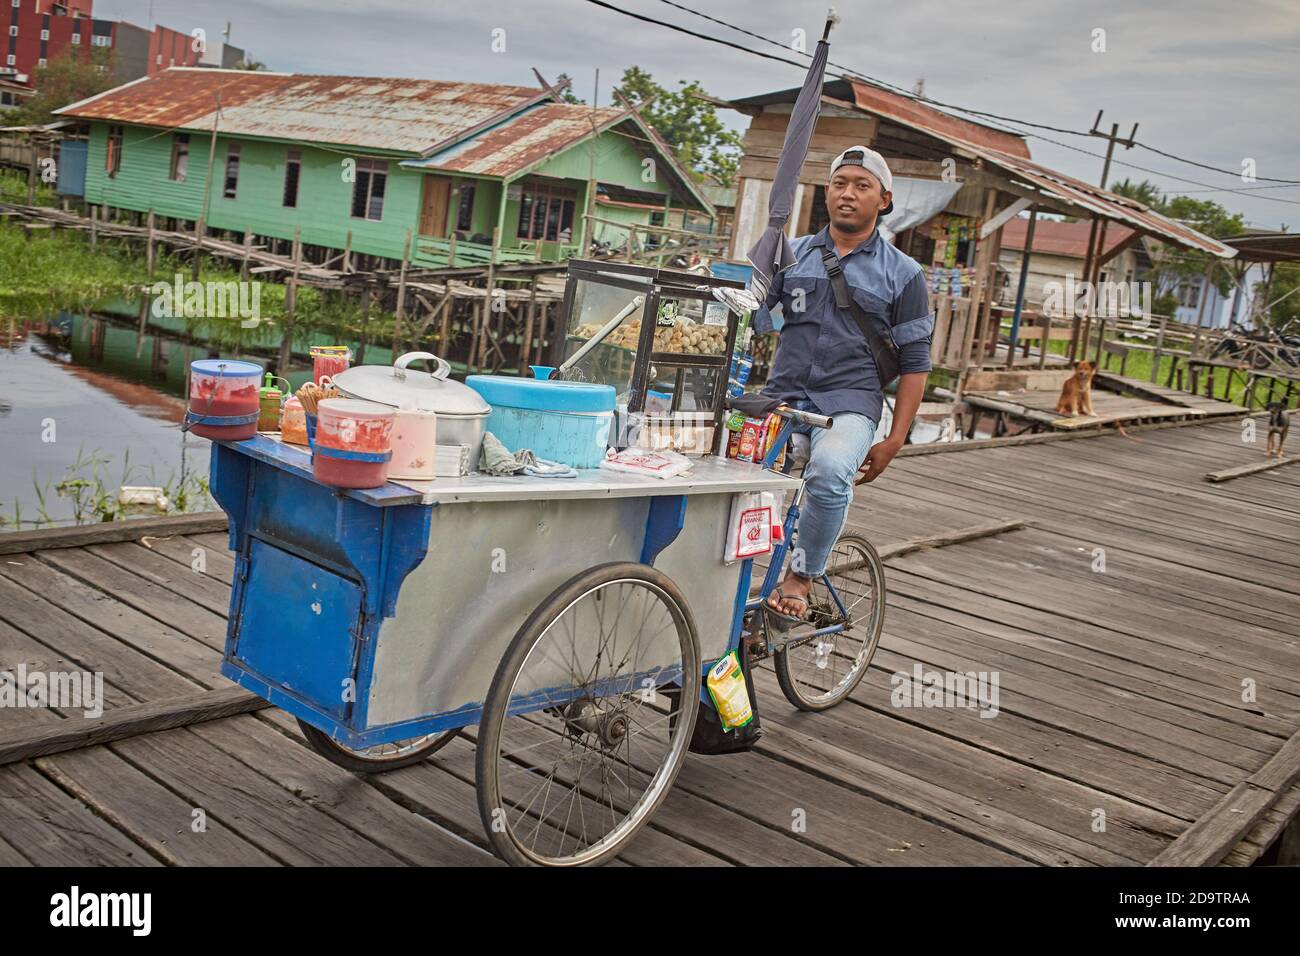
{"points": [[771, 254]]}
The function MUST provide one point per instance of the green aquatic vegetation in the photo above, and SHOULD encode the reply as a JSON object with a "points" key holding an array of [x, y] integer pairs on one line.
{"points": [[91, 496]]}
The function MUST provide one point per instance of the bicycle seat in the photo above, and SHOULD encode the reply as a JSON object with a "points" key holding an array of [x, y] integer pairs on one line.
{"points": [[754, 406]]}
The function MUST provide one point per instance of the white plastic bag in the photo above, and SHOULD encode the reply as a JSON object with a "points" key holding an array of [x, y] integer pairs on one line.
{"points": [[642, 461]]}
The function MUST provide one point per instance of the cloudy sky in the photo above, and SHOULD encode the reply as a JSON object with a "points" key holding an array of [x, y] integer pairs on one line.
{"points": [[1210, 81]]}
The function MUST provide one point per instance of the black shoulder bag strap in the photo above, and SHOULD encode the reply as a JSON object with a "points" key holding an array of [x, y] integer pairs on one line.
{"points": [[874, 328]]}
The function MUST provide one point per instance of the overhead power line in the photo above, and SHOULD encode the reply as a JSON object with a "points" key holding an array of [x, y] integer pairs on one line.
{"points": [[939, 103]]}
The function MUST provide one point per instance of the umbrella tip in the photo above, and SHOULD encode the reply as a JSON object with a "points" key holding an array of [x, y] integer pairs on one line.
{"points": [[832, 18]]}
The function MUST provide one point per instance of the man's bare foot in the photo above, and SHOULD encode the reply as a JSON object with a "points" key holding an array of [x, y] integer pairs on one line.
{"points": [[795, 589]]}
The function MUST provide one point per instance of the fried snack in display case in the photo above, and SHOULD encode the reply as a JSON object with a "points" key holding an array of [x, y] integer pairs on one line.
{"points": [[642, 331]]}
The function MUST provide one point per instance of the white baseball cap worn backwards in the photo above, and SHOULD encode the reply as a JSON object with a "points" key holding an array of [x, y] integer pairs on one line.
{"points": [[872, 162]]}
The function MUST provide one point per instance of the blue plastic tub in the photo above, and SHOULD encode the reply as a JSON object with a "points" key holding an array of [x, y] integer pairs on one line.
{"points": [[568, 422]]}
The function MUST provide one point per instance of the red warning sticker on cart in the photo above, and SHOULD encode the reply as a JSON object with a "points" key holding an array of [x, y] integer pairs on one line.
{"points": [[755, 532]]}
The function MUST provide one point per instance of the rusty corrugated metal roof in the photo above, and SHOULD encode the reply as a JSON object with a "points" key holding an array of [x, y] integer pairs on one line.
{"points": [[983, 142], [519, 142], [1099, 202], [524, 140], [403, 115], [911, 112], [1060, 238]]}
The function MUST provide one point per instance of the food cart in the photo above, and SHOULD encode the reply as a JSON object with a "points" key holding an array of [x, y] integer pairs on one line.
{"points": [[568, 623]]}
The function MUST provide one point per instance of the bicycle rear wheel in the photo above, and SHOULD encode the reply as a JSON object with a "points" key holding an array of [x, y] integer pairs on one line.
{"points": [[583, 730], [819, 672]]}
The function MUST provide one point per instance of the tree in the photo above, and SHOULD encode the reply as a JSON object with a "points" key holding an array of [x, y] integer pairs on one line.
{"points": [[1145, 192], [251, 65], [1174, 266], [64, 80], [1284, 315], [687, 122], [568, 96]]}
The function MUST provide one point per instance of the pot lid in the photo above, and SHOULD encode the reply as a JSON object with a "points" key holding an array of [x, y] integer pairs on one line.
{"points": [[402, 387], [549, 395]]}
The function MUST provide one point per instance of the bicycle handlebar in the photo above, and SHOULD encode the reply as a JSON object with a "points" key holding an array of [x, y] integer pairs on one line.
{"points": [[805, 418]]}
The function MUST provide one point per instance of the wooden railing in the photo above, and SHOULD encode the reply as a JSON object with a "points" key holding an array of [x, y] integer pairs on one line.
{"points": [[461, 252]]}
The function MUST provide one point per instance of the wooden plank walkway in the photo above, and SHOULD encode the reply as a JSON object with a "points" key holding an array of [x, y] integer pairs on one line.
{"points": [[1143, 626]]}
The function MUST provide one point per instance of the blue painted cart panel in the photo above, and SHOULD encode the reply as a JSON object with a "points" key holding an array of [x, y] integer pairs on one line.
{"points": [[303, 626]]}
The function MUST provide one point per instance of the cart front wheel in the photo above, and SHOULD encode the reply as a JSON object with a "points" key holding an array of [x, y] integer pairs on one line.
{"points": [[589, 718], [819, 672], [379, 758]]}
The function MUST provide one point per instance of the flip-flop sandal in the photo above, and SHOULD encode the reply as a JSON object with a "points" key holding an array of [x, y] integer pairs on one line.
{"points": [[783, 622]]}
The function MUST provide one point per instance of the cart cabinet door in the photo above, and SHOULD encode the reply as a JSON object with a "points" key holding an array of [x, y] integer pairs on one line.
{"points": [[297, 628]]}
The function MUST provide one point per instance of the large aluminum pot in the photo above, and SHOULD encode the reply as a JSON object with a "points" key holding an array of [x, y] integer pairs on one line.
{"points": [[462, 412]]}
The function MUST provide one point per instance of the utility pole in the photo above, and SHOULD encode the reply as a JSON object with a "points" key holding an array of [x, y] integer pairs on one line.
{"points": [[1091, 262]]}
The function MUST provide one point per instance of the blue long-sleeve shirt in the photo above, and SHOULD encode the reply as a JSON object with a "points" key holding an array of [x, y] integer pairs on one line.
{"points": [[822, 355]]}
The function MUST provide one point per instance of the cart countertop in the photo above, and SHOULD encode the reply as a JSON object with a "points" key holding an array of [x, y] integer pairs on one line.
{"points": [[707, 475]]}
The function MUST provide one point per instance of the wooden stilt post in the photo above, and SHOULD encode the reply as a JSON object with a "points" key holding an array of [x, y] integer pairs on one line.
{"points": [[400, 313], [148, 245], [445, 319], [248, 252], [94, 226], [347, 253], [1160, 345], [471, 361], [365, 324], [290, 306], [526, 347], [199, 231]]}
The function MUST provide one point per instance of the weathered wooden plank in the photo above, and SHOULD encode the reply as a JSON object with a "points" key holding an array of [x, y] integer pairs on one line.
{"points": [[263, 813], [1027, 810], [104, 532], [148, 812], [207, 591], [1228, 474], [55, 829], [334, 791], [1213, 836], [127, 721], [134, 589], [137, 675], [149, 636]]}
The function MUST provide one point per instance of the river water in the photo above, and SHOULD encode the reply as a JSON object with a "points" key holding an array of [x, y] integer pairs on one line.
{"points": [[85, 403]]}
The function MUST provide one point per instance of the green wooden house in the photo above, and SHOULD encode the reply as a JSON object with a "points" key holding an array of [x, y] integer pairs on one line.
{"points": [[363, 163]]}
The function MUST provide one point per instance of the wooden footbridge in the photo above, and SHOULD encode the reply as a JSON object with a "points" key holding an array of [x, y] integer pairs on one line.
{"points": [[1143, 624]]}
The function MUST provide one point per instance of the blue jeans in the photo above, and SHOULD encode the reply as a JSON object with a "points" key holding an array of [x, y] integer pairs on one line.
{"points": [[836, 454]]}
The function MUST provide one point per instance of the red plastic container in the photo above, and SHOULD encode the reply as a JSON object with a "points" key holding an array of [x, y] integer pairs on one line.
{"points": [[354, 442], [329, 360], [223, 399]]}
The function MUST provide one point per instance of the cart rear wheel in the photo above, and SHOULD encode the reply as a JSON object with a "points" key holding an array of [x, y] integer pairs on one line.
{"points": [[820, 672], [381, 757], [579, 741]]}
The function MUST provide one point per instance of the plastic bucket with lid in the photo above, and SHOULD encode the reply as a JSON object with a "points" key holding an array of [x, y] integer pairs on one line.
{"points": [[223, 399], [568, 422], [353, 443]]}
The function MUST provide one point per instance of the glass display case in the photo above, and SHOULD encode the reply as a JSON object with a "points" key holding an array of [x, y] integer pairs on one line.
{"points": [[661, 339]]}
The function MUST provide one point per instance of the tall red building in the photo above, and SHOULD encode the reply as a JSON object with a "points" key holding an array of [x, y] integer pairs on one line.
{"points": [[38, 31]]}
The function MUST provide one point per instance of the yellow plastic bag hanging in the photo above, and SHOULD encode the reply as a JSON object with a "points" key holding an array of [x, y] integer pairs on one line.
{"points": [[726, 683]]}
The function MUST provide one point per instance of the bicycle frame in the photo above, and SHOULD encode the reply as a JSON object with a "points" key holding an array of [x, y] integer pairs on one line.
{"points": [[777, 564]]}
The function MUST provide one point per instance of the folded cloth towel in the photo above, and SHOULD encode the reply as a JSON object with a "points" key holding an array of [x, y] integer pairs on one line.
{"points": [[495, 459]]}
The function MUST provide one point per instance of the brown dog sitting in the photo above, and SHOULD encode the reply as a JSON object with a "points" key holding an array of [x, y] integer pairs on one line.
{"points": [[1076, 393], [1279, 423]]}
